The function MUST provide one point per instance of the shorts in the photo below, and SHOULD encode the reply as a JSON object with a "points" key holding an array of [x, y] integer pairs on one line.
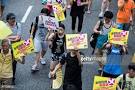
{"points": [[3, 2], [56, 57], [124, 26], [5, 83], [105, 74], [40, 45]]}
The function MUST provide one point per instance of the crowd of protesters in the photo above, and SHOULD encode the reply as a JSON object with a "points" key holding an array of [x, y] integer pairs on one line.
{"points": [[45, 39]]}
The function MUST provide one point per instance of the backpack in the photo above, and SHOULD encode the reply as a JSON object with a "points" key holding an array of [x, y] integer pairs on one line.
{"points": [[94, 36], [35, 27]]}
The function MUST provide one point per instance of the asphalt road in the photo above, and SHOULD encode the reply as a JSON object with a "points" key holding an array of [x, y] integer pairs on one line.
{"points": [[25, 80]]}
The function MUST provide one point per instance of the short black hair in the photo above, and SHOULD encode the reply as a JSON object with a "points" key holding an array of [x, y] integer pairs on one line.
{"points": [[4, 41], [131, 66], [62, 25], [108, 14], [45, 11], [10, 16]]}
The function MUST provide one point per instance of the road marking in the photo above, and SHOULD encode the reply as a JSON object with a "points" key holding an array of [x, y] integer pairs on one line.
{"points": [[26, 14]]}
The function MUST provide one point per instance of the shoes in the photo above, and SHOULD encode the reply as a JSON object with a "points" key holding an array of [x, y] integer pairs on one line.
{"points": [[100, 15], [43, 62], [35, 68], [88, 12]]}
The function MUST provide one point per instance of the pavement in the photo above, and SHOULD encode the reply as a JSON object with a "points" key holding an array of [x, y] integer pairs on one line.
{"points": [[25, 80]]}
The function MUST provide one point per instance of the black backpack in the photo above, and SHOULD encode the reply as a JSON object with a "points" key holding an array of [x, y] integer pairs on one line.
{"points": [[94, 36], [35, 27]]}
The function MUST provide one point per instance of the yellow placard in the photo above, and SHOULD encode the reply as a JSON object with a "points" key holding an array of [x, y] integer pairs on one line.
{"points": [[57, 83], [76, 41], [117, 36], [22, 47], [4, 30], [104, 83], [58, 12]]}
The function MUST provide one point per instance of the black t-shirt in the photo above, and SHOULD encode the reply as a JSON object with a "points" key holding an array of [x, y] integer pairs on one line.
{"points": [[76, 10], [58, 45], [72, 70]]}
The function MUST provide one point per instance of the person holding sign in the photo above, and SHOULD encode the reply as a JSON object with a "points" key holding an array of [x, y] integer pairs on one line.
{"points": [[77, 10], [15, 36], [61, 2], [113, 68], [40, 42], [72, 76], [57, 45], [6, 60], [102, 38]]}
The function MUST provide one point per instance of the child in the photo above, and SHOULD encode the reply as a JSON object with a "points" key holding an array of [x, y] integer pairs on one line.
{"points": [[6, 67]]}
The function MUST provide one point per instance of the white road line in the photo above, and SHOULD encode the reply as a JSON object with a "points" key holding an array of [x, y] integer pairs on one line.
{"points": [[26, 14]]}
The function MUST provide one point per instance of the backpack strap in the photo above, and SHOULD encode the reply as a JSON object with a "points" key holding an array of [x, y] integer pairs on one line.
{"points": [[17, 25], [124, 81], [35, 27], [100, 25]]}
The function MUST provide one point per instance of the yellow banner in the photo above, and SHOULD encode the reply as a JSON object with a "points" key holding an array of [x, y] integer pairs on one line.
{"points": [[58, 12], [76, 41], [104, 83], [22, 47], [4, 30], [117, 36]]}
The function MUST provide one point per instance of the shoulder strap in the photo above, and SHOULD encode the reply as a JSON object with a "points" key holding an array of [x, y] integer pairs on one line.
{"points": [[100, 25], [12, 54], [37, 18], [17, 25], [124, 81]]}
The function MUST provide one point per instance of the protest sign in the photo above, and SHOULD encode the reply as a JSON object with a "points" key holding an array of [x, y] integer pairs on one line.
{"points": [[58, 12], [104, 83], [117, 36], [76, 41], [4, 30], [22, 47], [50, 22]]}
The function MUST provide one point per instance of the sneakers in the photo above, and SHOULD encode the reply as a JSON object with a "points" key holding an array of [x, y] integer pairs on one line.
{"points": [[43, 62], [100, 15], [35, 68], [88, 12]]}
